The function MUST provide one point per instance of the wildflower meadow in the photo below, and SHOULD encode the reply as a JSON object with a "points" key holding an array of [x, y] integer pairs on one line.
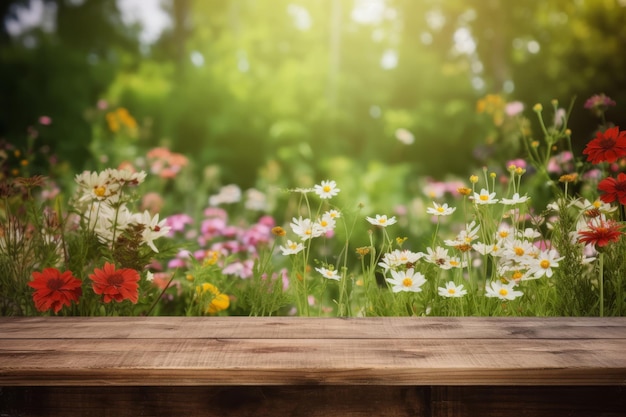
{"points": [[538, 232]]}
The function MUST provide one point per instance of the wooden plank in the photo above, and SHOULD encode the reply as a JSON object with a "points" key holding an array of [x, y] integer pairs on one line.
{"points": [[312, 328], [314, 401], [312, 361]]}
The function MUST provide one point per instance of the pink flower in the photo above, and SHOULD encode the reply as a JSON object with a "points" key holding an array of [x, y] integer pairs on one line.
{"points": [[45, 120], [177, 222], [514, 108]]}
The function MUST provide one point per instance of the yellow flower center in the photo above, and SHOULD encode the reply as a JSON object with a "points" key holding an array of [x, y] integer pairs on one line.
{"points": [[440, 209], [323, 223], [407, 282], [451, 291], [100, 190], [382, 220], [519, 251], [293, 246], [517, 275], [545, 264], [503, 233], [597, 204], [454, 263], [327, 188], [484, 197], [503, 292]]}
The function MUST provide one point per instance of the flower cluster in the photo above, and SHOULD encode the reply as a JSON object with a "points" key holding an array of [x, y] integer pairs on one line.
{"points": [[90, 260]]}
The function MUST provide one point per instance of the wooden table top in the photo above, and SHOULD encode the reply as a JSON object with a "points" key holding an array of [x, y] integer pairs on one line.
{"points": [[206, 351]]}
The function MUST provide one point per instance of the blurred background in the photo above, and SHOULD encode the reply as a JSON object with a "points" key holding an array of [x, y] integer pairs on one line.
{"points": [[290, 92]]}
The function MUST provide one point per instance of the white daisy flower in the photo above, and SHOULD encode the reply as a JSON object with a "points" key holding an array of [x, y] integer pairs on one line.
{"points": [[382, 221], [291, 248], [503, 291], [516, 199], [440, 210], [396, 258], [543, 264], [329, 273], [485, 197], [452, 290], [95, 186], [305, 228], [326, 223], [327, 189], [439, 256], [408, 280], [153, 228]]}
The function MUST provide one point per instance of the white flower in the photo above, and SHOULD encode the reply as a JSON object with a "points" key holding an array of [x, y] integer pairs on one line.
{"points": [[326, 223], [454, 262], [327, 190], [406, 280], [126, 176], [502, 291], [227, 194], [485, 198], [543, 264], [483, 248], [440, 210], [382, 221], [305, 228], [153, 229], [516, 199], [529, 233], [586, 205], [439, 256], [95, 186], [108, 223], [291, 248], [255, 200], [465, 236], [333, 214], [328, 273], [396, 258], [404, 136], [452, 290]]}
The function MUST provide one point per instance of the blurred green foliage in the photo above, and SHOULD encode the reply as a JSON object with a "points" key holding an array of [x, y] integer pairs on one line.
{"points": [[289, 92]]}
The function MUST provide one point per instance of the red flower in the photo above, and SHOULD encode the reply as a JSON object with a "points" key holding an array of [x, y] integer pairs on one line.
{"points": [[607, 146], [54, 289], [602, 234], [614, 189], [116, 285]]}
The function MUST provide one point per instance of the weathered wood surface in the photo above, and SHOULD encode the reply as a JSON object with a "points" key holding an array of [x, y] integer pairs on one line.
{"points": [[425, 367], [169, 351]]}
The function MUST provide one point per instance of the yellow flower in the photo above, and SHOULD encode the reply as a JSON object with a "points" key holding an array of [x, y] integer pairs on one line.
{"points": [[464, 190], [538, 108], [473, 179], [278, 231], [219, 301]]}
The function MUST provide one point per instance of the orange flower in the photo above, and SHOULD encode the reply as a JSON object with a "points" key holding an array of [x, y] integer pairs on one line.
{"points": [[55, 289], [115, 285]]}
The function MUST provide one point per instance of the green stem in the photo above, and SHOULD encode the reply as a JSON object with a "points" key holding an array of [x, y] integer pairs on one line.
{"points": [[601, 282]]}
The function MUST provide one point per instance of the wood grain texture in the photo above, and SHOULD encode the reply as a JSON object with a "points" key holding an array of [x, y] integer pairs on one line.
{"points": [[235, 366], [296, 351], [312, 328]]}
